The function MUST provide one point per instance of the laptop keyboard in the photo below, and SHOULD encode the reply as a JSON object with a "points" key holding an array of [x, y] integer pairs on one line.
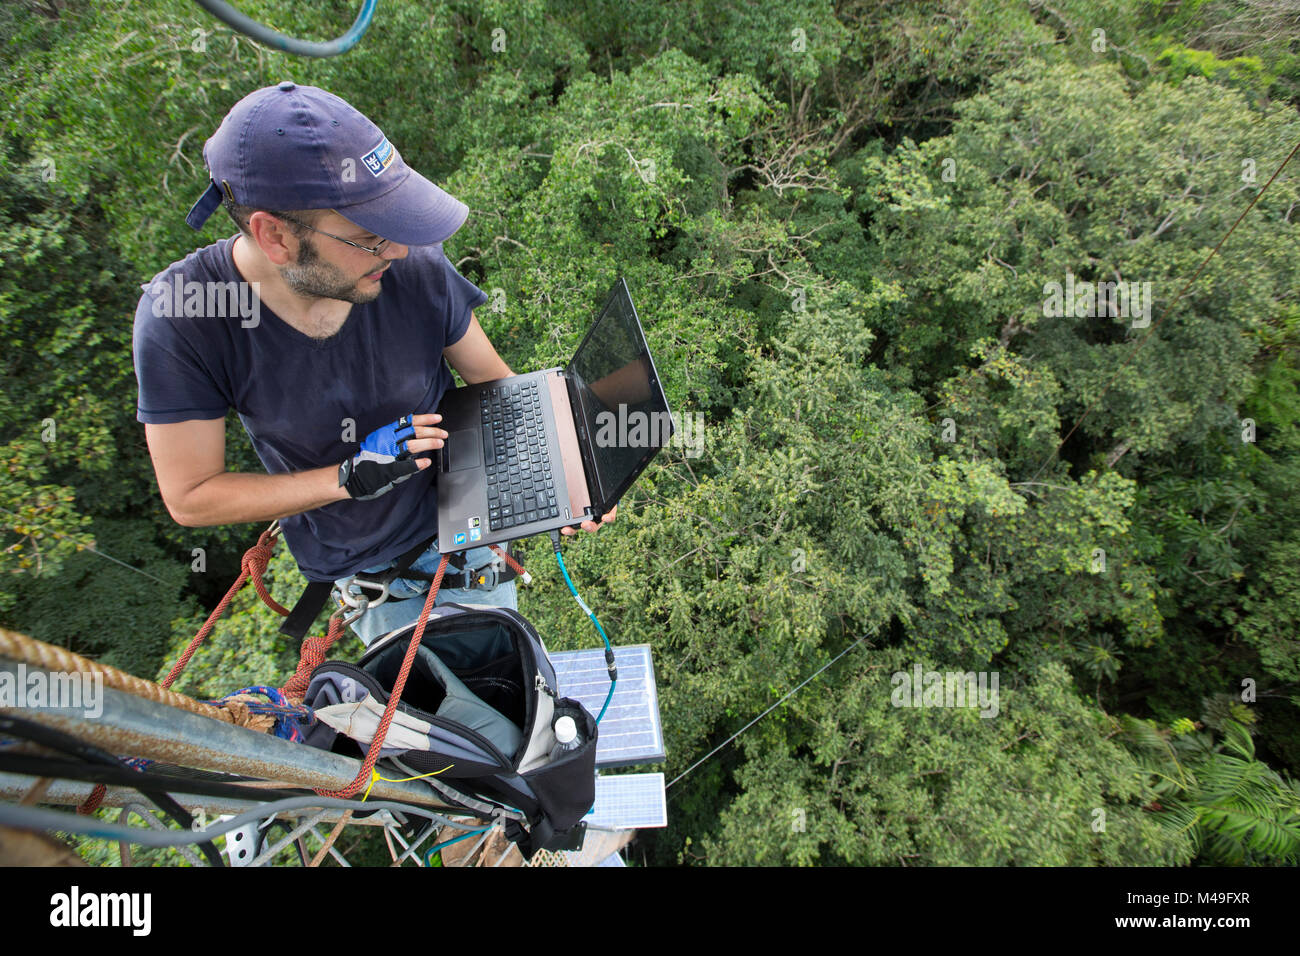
{"points": [[520, 487]]}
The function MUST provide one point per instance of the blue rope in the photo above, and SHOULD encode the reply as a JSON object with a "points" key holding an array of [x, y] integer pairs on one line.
{"points": [[288, 717]]}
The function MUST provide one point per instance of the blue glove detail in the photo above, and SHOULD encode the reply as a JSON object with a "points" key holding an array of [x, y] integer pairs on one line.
{"points": [[390, 440], [384, 461]]}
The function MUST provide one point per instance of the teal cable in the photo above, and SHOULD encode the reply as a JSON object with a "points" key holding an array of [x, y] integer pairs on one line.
{"points": [[278, 41], [609, 651], [428, 855]]}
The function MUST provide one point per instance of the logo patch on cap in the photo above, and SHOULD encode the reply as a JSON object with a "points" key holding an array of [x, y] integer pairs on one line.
{"points": [[380, 158]]}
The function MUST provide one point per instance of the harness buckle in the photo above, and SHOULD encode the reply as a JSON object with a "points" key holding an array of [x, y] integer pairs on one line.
{"points": [[485, 578]]}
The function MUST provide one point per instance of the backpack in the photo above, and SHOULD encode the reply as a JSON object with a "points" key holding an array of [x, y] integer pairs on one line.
{"points": [[477, 709]]}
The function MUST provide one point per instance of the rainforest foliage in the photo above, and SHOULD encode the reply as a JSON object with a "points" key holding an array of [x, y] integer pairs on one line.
{"points": [[869, 243]]}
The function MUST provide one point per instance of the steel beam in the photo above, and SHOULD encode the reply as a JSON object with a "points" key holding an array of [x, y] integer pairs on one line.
{"points": [[134, 727]]}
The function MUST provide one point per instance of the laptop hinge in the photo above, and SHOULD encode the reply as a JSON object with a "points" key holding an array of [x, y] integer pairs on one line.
{"points": [[584, 440]]}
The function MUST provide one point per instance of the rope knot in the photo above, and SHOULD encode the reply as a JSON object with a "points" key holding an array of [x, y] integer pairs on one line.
{"points": [[257, 559]]}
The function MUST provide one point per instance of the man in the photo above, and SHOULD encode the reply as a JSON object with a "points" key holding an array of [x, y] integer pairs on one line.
{"points": [[325, 326]]}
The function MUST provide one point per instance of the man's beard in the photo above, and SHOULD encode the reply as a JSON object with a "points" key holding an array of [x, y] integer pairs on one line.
{"points": [[313, 278]]}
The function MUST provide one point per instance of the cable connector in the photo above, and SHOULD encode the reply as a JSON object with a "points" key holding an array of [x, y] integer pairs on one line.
{"points": [[609, 663], [555, 541]]}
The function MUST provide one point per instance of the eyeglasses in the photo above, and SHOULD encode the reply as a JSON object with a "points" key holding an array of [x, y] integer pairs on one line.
{"points": [[373, 250]]}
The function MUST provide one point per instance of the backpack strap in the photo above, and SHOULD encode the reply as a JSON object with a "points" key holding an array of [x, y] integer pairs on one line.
{"points": [[526, 839], [402, 565], [542, 835]]}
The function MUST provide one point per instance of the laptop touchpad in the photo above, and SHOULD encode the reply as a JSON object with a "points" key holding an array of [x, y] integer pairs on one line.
{"points": [[466, 448]]}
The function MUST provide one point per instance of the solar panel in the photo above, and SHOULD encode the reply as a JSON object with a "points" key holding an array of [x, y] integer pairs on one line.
{"points": [[629, 801], [631, 732]]}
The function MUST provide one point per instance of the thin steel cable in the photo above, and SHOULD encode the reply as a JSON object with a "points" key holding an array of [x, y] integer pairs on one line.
{"points": [[102, 554], [766, 712], [1168, 310]]}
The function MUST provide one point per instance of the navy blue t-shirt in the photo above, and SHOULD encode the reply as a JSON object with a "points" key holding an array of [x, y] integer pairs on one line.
{"points": [[294, 393]]}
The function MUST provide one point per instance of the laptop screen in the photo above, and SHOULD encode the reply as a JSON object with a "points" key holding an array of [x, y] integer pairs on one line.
{"points": [[621, 400]]}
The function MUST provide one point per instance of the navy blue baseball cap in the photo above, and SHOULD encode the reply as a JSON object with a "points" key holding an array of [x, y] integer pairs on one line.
{"points": [[298, 147]]}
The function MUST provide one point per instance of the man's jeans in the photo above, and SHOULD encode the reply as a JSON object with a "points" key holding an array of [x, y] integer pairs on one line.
{"points": [[406, 596]]}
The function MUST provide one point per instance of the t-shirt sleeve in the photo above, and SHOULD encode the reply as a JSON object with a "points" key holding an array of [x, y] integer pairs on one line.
{"points": [[174, 384], [463, 297]]}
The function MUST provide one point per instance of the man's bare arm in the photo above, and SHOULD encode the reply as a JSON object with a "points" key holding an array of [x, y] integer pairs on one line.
{"points": [[474, 357], [189, 460]]}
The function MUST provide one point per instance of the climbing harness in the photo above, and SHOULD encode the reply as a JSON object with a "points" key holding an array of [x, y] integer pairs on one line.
{"points": [[503, 568]]}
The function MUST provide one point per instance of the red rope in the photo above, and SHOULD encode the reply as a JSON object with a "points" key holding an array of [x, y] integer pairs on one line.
{"points": [[311, 657], [509, 559], [254, 565], [92, 801], [256, 559]]}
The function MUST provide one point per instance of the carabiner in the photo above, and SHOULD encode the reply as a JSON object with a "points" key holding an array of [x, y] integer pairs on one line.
{"points": [[346, 596], [362, 605]]}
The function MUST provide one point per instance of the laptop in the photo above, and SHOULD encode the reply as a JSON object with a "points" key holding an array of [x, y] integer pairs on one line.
{"points": [[538, 452]]}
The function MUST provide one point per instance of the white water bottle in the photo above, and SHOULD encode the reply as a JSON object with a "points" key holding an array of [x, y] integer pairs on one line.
{"points": [[566, 737]]}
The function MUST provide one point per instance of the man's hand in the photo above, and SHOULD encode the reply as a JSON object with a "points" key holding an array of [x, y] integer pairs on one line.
{"points": [[387, 456], [593, 526]]}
